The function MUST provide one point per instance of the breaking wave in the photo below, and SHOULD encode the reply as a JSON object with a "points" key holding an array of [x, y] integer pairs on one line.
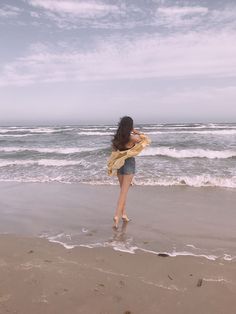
{"points": [[194, 181], [59, 150], [213, 132], [42, 162], [188, 153]]}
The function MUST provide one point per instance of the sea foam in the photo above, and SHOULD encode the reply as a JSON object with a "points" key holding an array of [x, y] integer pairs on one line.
{"points": [[203, 132], [58, 150], [187, 153]]}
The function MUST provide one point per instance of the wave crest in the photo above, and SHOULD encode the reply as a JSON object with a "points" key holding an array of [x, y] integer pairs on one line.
{"points": [[44, 162], [194, 181], [187, 153], [212, 132], [57, 150]]}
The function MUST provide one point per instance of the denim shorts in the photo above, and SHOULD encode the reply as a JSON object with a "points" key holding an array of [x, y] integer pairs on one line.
{"points": [[128, 167]]}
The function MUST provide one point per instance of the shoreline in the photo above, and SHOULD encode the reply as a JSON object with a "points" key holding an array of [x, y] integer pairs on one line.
{"points": [[173, 220], [134, 250], [136, 182], [101, 280]]}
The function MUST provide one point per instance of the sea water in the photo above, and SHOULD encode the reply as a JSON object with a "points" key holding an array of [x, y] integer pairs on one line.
{"points": [[180, 154]]}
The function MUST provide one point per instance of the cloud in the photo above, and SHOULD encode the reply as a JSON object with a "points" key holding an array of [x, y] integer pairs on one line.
{"points": [[207, 51], [195, 18], [72, 14], [182, 11], [8, 11], [180, 16], [35, 14], [169, 53], [84, 9], [205, 54]]}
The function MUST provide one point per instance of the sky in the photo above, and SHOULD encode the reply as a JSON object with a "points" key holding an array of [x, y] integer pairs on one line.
{"points": [[78, 62]]}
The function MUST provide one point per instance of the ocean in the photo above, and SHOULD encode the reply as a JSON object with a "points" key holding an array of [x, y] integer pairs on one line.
{"points": [[186, 154]]}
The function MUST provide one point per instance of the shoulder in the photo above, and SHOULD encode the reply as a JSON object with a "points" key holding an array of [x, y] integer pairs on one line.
{"points": [[135, 138]]}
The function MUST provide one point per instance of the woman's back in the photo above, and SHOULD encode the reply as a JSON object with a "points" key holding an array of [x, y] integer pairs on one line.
{"points": [[133, 139]]}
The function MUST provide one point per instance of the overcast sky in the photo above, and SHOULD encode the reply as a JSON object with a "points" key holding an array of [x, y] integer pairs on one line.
{"points": [[74, 61]]}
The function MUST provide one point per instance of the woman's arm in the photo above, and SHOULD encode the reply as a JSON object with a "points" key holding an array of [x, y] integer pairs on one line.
{"points": [[135, 136]]}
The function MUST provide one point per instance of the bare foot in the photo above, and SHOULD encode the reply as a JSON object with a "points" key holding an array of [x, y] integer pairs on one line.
{"points": [[125, 218], [116, 221]]}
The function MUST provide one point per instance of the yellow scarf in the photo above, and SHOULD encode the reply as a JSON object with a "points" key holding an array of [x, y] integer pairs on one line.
{"points": [[117, 158]]}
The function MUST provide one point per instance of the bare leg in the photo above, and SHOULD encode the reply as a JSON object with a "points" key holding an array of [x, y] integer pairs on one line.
{"points": [[127, 179], [120, 178]]}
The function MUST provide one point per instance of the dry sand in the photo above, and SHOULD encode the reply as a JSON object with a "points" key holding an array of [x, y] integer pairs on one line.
{"points": [[42, 277]]}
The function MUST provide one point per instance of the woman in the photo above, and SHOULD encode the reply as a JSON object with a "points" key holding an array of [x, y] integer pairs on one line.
{"points": [[125, 138]]}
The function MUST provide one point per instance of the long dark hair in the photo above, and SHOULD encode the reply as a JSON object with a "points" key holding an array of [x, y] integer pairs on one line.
{"points": [[121, 138]]}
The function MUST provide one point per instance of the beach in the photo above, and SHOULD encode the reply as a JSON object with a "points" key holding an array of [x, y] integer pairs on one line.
{"points": [[59, 252], [177, 254], [42, 277], [81, 82]]}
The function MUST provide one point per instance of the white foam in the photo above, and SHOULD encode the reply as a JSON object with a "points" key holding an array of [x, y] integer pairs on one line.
{"points": [[221, 126], [58, 150], [93, 129], [66, 246], [30, 131], [228, 257], [190, 127], [97, 182], [117, 246], [56, 239], [192, 246], [43, 162], [85, 230], [95, 133], [123, 247], [220, 279], [212, 132], [15, 135], [187, 153], [42, 130], [40, 179], [166, 127], [33, 130], [154, 127], [194, 181], [6, 130], [182, 253]]}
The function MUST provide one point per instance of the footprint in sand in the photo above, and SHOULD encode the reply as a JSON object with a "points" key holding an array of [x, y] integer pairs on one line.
{"points": [[122, 283], [4, 298]]}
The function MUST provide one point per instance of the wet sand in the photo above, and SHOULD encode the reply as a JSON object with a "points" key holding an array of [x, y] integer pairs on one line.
{"points": [[42, 277], [200, 221]]}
